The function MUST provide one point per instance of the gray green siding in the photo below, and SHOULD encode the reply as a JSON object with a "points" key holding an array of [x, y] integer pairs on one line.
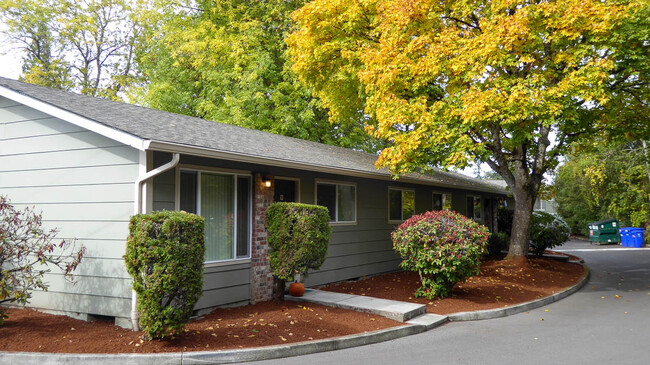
{"points": [[83, 183], [355, 250]]}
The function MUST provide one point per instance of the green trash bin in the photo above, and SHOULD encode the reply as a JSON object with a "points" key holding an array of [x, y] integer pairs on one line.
{"points": [[604, 232]]}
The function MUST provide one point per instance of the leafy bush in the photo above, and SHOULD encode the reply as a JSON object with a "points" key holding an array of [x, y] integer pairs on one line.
{"points": [[298, 235], [164, 255], [497, 242], [547, 231], [27, 252], [444, 247]]}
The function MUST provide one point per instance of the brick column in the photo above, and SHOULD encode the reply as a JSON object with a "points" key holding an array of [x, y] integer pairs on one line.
{"points": [[261, 276]]}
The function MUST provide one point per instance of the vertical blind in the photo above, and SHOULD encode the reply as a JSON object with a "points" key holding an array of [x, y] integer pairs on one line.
{"points": [[218, 208]]}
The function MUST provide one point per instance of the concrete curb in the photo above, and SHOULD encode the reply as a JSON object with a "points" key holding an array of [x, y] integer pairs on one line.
{"points": [[303, 348], [218, 357], [523, 307]]}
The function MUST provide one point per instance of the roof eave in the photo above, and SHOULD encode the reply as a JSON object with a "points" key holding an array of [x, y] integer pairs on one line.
{"points": [[239, 157], [89, 124]]}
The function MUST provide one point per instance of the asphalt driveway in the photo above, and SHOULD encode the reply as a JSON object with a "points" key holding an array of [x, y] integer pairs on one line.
{"points": [[606, 322]]}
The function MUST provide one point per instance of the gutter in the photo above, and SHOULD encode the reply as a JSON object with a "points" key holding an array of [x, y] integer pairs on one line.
{"points": [[135, 317]]}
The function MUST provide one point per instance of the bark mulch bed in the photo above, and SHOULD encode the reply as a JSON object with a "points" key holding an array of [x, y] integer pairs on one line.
{"points": [[497, 286], [263, 324], [275, 323]]}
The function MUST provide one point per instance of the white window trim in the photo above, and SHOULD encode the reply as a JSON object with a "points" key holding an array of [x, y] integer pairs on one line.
{"points": [[402, 208], [443, 193], [336, 211], [297, 180], [235, 174]]}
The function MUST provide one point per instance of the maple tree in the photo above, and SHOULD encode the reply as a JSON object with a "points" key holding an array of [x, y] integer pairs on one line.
{"points": [[226, 61], [508, 83]]}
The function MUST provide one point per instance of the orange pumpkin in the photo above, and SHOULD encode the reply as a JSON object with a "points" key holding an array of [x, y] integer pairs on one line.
{"points": [[297, 289]]}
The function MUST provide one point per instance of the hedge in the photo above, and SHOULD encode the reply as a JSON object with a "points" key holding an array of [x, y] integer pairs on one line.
{"points": [[164, 256]]}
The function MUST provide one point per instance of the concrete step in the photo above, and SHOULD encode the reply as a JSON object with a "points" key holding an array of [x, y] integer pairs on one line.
{"points": [[428, 320]]}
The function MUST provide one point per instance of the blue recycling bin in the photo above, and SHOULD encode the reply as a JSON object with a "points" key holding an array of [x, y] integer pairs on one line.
{"points": [[625, 236], [631, 237], [636, 237]]}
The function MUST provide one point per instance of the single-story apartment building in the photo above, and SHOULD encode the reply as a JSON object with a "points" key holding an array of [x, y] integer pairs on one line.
{"points": [[89, 164]]}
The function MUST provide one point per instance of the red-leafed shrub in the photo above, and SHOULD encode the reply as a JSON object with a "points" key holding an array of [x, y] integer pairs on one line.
{"points": [[28, 252], [444, 247]]}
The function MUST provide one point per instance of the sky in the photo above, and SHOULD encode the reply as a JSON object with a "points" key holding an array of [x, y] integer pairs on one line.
{"points": [[9, 60]]}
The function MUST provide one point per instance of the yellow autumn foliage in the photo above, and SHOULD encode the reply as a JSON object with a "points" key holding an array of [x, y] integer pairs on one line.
{"points": [[435, 77]]}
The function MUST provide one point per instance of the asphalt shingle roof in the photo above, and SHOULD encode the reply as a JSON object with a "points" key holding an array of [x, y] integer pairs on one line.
{"points": [[176, 129]]}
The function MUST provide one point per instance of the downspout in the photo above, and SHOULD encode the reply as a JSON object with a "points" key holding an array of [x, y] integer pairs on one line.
{"points": [[137, 210]]}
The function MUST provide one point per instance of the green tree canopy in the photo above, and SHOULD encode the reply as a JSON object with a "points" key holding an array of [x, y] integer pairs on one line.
{"points": [[81, 45], [226, 61], [605, 180], [509, 83]]}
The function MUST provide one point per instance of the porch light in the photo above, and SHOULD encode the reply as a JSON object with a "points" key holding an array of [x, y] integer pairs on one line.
{"points": [[266, 181]]}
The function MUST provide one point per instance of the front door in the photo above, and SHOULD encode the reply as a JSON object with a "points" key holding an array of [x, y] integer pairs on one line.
{"points": [[285, 190]]}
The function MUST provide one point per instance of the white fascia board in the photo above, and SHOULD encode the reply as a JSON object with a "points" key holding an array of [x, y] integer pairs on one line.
{"points": [[91, 125], [379, 175]]}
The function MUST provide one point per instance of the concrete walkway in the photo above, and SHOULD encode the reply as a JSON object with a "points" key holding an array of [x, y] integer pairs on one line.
{"points": [[392, 309], [414, 315]]}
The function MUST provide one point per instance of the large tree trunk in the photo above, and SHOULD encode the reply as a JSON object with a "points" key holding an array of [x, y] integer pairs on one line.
{"points": [[526, 186], [519, 238]]}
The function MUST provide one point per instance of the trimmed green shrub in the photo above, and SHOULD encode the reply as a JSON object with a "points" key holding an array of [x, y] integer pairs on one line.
{"points": [[444, 247], [298, 235], [164, 255], [497, 242], [547, 231]]}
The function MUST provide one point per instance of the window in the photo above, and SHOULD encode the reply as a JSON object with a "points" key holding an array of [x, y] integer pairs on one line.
{"points": [[340, 199], [441, 201], [474, 208], [224, 200], [401, 204]]}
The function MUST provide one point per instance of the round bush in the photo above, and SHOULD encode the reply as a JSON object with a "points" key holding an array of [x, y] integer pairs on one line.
{"points": [[444, 247], [164, 256], [547, 231]]}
